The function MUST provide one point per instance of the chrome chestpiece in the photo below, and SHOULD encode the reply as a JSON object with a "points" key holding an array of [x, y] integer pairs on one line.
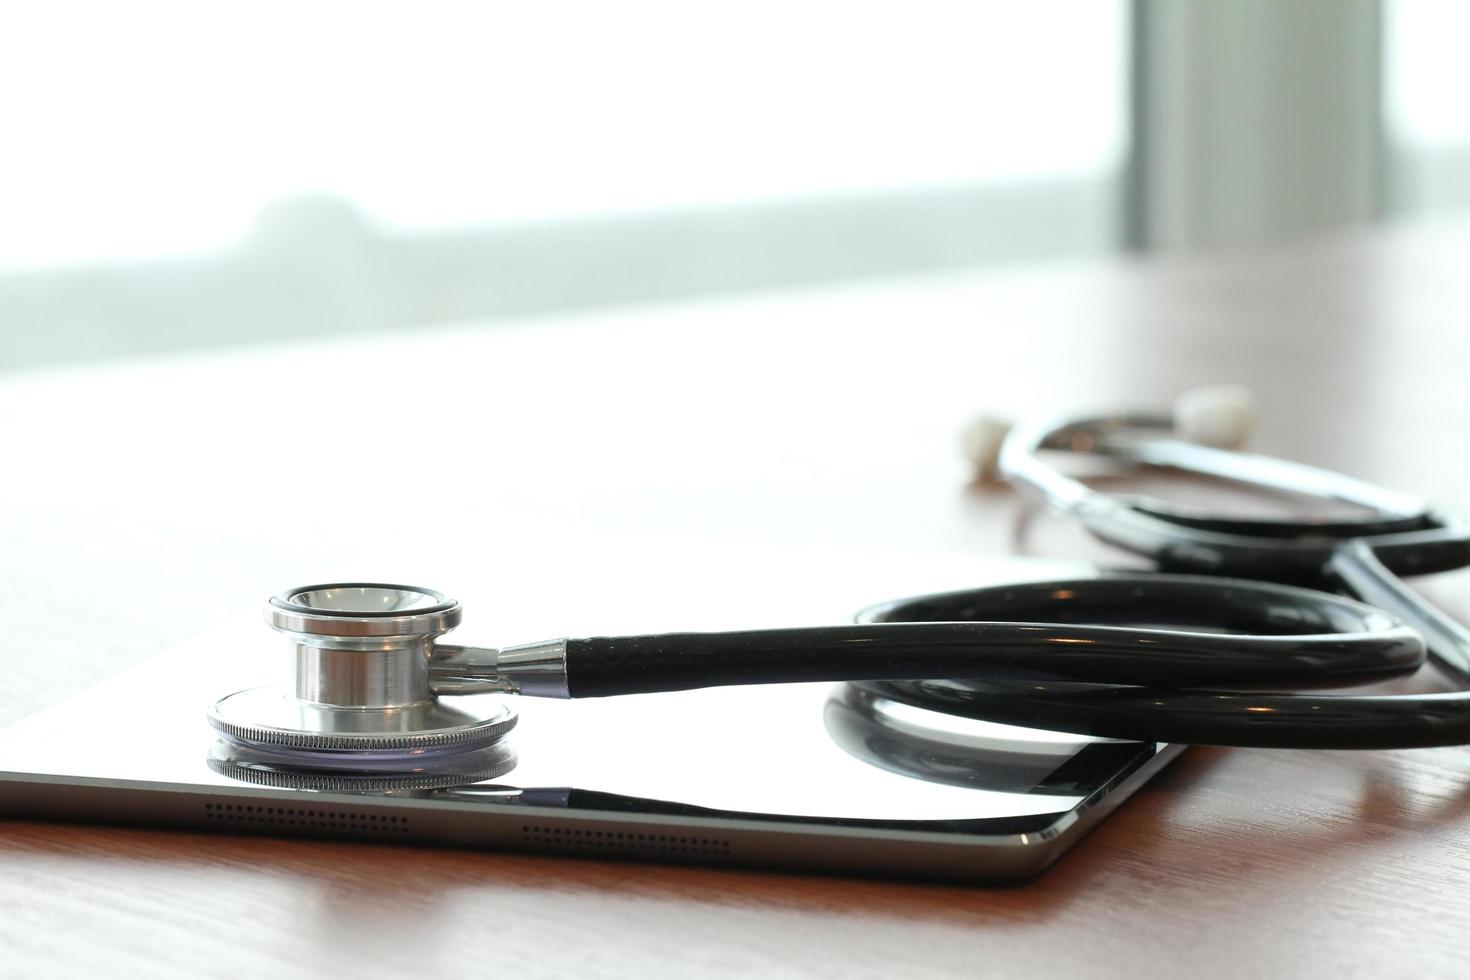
{"points": [[361, 694]]}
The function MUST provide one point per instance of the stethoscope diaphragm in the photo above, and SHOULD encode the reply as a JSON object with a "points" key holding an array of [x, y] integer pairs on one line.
{"points": [[272, 719], [292, 771]]}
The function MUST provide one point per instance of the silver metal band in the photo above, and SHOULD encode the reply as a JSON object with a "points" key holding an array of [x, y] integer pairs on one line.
{"points": [[538, 670]]}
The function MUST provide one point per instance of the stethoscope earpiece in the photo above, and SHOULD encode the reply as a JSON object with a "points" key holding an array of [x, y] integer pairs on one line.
{"points": [[1217, 416]]}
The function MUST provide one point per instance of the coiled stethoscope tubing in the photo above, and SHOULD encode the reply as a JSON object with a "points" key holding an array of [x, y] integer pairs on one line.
{"points": [[1362, 557]]}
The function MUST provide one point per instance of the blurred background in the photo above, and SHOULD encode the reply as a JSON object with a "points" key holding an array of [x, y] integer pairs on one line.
{"points": [[180, 175]]}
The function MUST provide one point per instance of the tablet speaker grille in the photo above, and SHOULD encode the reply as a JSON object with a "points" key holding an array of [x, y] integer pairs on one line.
{"points": [[576, 839], [334, 820]]}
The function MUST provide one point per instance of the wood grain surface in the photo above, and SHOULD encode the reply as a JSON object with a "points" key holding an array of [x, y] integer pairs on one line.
{"points": [[501, 460]]}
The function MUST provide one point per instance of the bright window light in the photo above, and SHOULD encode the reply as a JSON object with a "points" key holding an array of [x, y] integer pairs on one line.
{"points": [[145, 128], [1428, 74]]}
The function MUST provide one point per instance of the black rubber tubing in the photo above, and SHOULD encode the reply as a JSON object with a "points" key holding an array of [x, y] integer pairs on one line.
{"points": [[1277, 634], [1197, 716]]}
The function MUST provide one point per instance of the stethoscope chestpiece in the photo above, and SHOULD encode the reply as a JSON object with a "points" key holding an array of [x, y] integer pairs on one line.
{"points": [[359, 696]]}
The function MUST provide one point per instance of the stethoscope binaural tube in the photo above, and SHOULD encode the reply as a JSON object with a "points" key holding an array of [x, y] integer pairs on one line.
{"points": [[1408, 535]]}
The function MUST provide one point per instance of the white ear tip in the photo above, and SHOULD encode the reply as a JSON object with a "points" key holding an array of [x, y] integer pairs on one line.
{"points": [[1222, 416], [981, 440]]}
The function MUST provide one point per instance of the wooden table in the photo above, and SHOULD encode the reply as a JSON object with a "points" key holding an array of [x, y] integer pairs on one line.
{"points": [[769, 425]]}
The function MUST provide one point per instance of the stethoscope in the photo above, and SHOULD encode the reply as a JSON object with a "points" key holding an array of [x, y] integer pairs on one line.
{"points": [[1122, 655]]}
